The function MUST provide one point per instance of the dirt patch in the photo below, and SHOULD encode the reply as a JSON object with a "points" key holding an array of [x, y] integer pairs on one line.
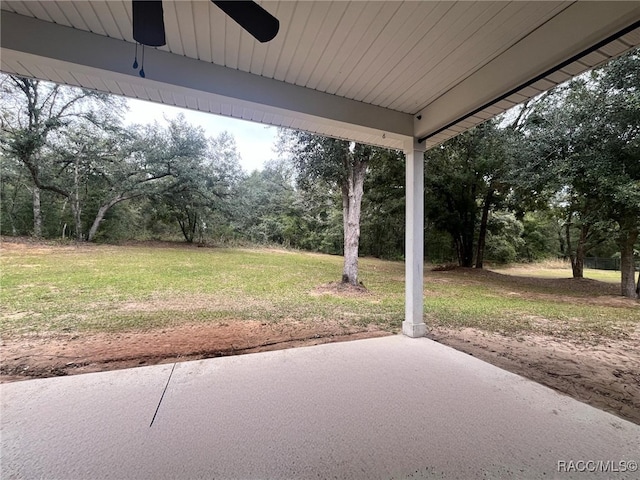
{"points": [[341, 289], [582, 287], [605, 375], [41, 355]]}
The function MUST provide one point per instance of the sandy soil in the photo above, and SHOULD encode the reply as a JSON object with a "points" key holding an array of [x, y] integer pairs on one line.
{"points": [[55, 355], [605, 375]]}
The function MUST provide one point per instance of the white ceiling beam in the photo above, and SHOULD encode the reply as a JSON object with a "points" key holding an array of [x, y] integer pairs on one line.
{"points": [[95, 55], [572, 32]]}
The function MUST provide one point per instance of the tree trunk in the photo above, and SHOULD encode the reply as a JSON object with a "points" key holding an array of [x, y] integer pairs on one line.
{"points": [[457, 242], [77, 221], [577, 258], [465, 256], [627, 265], [14, 200], [561, 243], [467, 251], [188, 226], [464, 249], [577, 264], [102, 212], [37, 213], [351, 206], [75, 204], [483, 228]]}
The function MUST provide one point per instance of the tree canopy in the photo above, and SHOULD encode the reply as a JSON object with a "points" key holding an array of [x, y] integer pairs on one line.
{"points": [[557, 177]]}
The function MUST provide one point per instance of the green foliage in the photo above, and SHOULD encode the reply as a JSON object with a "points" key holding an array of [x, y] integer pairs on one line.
{"points": [[539, 237], [383, 206], [266, 212], [205, 177], [461, 177], [504, 237], [585, 138]]}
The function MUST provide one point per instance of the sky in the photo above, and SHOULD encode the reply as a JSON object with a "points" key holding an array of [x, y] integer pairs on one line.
{"points": [[255, 141]]}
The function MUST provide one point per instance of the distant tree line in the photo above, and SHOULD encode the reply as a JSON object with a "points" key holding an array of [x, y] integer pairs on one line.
{"points": [[556, 177], [559, 175]]}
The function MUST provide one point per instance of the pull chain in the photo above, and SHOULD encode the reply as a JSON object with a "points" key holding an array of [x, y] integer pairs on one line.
{"points": [[142, 66], [135, 61]]}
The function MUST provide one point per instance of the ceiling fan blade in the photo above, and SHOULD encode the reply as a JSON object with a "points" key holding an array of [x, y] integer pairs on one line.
{"points": [[252, 17], [148, 22]]}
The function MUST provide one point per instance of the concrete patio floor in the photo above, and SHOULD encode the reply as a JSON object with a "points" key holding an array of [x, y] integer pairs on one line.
{"points": [[388, 408]]}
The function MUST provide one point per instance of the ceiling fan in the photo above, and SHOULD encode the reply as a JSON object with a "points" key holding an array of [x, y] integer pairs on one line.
{"points": [[148, 22]]}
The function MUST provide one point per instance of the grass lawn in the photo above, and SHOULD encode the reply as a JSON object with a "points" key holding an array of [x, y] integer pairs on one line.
{"points": [[97, 288], [559, 269], [118, 288]]}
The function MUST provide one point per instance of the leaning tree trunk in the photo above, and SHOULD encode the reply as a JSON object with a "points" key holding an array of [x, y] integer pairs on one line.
{"points": [[627, 264], [351, 207], [102, 211]]}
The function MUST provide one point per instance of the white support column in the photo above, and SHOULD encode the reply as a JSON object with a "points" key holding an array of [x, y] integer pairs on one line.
{"points": [[413, 325]]}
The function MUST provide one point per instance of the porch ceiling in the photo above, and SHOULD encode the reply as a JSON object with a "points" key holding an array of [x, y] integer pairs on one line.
{"points": [[376, 72]]}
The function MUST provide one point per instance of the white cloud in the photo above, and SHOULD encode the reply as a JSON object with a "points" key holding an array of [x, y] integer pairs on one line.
{"points": [[255, 141]]}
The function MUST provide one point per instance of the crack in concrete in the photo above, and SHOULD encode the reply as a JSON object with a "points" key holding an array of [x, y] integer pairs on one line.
{"points": [[162, 396]]}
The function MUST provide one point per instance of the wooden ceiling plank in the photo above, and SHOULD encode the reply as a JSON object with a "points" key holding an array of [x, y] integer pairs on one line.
{"points": [[295, 32], [17, 7], [412, 18], [73, 16], [191, 102], [245, 51], [153, 94], [186, 28], [53, 74], [179, 100], [457, 57], [509, 25], [384, 16], [217, 33], [35, 9], [215, 107], [88, 13], [613, 49], [172, 29], [202, 30], [632, 38], [122, 16], [316, 13], [433, 43], [353, 44], [112, 86], [55, 13], [107, 23], [335, 44], [594, 58], [326, 16], [22, 69]]}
